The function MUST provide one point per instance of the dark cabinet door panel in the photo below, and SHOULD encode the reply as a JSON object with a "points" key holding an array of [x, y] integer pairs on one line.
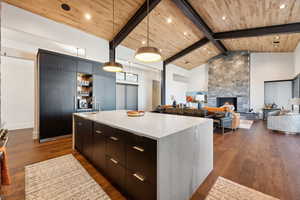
{"points": [[141, 156], [86, 132], [115, 172], [116, 146], [57, 93], [99, 150], [78, 135], [138, 188]]}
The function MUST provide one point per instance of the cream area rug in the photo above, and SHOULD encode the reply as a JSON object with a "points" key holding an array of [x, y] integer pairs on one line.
{"points": [[245, 124], [61, 178], [224, 189]]}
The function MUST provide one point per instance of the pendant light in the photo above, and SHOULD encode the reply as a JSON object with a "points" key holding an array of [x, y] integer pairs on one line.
{"points": [[148, 54], [113, 66]]}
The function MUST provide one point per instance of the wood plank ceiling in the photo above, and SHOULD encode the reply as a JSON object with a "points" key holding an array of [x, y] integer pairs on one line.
{"points": [[170, 37], [220, 15], [100, 10], [228, 15]]}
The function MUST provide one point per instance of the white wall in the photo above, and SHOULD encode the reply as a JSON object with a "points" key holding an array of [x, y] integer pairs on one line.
{"points": [[26, 32], [17, 91], [297, 59], [175, 88], [267, 67], [198, 78]]}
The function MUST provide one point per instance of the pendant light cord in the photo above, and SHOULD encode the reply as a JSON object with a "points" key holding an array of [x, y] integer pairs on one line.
{"points": [[148, 23], [113, 41]]}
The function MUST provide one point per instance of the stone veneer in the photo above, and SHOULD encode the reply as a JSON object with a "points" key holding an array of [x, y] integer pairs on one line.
{"points": [[229, 76]]}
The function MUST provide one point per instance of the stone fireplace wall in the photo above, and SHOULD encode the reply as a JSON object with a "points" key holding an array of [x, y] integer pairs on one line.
{"points": [[229, 76]]}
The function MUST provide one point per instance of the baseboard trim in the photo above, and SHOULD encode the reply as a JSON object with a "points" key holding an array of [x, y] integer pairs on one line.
{"points": [[17, 126], [55, 138]]}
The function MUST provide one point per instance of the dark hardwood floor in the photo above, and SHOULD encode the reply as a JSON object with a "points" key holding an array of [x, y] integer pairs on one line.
{"points": [[259, 159]]}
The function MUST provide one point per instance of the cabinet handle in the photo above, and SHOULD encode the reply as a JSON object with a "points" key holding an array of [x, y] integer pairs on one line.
{"points": [[138, 148], [114, 161], [114, 138], [139, 177], [97, 131]]}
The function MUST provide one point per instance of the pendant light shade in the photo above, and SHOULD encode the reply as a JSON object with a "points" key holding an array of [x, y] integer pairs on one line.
{"points": [[112, 66], [148, 54]]}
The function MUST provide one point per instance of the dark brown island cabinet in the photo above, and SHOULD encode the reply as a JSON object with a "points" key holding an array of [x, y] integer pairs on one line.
{"points": [[142, 167], [68, 84], [127, 160]]}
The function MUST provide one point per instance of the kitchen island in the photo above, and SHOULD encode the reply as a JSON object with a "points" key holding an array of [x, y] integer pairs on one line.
{"points": [[157, 156]]}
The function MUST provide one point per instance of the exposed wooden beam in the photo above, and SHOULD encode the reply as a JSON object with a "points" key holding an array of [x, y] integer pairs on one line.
{"points": [[187, 50], [261, 31], [112, 53], [192, 14], [139, 15]]}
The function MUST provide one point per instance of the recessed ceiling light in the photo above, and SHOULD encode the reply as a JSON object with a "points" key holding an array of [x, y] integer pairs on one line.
{"points": [[169, 20], [276, 37], [282, 6], [185, 33], [143, 42], [224, 17], [65, 7], [88, 16]]}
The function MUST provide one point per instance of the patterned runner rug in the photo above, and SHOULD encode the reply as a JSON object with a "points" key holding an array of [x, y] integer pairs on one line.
{"points": [[61, 178], [245, 124], [224, 189]]}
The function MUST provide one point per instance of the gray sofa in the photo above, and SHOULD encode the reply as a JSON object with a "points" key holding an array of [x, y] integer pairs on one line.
{"points": [[289, 123]]}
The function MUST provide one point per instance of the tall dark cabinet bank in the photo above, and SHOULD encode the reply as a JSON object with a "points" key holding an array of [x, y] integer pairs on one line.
{"points": [[58, 96]]}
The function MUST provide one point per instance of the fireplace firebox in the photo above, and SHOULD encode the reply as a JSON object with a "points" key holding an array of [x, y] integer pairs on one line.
{"points": [[222, 100]]}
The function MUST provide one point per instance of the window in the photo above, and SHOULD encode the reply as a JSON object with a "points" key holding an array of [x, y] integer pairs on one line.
{"points": [[132, 77], [126, 76]]}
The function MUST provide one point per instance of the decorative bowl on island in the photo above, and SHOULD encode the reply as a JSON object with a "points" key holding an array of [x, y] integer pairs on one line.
{"points": [[135, 113]]}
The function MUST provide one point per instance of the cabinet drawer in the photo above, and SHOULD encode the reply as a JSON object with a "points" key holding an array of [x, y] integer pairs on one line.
{"points": [[102, 129], [115, 172], [139, 188], [116, 146], [141, 157]]}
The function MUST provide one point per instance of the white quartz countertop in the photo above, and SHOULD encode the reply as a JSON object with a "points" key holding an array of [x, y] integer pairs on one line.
{"points": [[151, 125]]}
